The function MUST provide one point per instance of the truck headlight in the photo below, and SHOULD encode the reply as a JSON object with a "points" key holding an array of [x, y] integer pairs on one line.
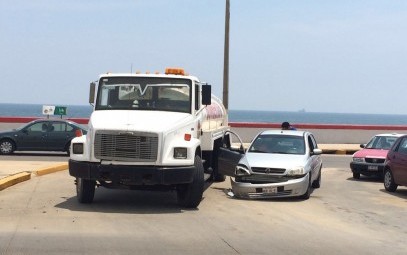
{"points": [[77, 148], [241, 170], [180, 153], [359, 160], [296, 171]]}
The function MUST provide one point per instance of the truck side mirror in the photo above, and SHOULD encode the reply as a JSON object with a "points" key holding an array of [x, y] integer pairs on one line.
{"points": [[206, 95], [92, 93]]}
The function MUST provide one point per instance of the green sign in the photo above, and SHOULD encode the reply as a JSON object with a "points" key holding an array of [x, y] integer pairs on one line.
{"points": [[60, 110]]}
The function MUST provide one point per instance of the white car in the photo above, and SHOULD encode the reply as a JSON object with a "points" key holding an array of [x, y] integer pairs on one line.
{"points": [[278, 163]]}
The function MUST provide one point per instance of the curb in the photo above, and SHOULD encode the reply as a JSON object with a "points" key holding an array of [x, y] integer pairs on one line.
{"points": [[51, 169], [25, 176], [338, 152], [14, 179]]}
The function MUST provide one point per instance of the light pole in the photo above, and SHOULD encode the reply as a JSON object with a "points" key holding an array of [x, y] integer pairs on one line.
{"points": [[226, 58]]}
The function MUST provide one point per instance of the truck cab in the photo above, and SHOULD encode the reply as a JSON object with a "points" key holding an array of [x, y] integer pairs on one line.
{"points": [[150, 131]]}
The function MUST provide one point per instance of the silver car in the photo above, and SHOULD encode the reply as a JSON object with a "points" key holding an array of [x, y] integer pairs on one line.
{"points": [[278, 163]]}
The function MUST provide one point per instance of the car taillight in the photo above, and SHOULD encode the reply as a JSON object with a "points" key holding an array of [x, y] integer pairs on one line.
{"points": [[78, 133]]}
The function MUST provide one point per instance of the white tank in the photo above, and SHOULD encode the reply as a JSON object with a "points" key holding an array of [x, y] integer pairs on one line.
{"points": [[214, 115]]}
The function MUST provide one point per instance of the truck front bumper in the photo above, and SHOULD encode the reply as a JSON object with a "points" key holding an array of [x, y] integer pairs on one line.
{"points": [[136, 175]]}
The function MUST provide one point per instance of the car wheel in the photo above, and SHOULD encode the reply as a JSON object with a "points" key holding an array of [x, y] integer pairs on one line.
{"points": [[356, 175], [317, 183], [7, 146], [190, 195], [85, 190], [307, 193], [388, 181]]}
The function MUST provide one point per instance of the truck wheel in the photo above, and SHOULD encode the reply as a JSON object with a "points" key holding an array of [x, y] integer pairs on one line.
{"points": [[190, 195], [85, 190]]}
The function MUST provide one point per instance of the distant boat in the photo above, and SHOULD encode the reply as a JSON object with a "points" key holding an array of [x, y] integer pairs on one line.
{"points": [[301, 110]]}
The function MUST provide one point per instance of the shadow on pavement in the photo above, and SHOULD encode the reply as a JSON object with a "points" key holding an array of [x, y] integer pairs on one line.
{"points": [[366, 179], [401, 192], [129, 201]]}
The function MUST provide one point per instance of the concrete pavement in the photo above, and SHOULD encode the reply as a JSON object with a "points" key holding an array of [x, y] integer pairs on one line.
{"points": [[16, 171]]}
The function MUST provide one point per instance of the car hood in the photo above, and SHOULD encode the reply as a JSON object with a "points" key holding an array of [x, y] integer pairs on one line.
{"points": [[371, 153], [147, 121], [273, 160]]}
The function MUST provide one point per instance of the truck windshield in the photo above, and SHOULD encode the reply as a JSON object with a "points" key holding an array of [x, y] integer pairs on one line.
{"points": [[144, 93]]}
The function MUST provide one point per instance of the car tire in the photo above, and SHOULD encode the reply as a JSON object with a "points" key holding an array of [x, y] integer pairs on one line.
{"points": [[190, 195], [317, 183], [307, 193], [7, 146], [356, 175], [85, 190], [388, 181]]}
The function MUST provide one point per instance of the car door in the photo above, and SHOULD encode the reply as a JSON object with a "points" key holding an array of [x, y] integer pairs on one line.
{"points": [[33, 137], [60, 133], [315, 159], [399, 163], [229, 156]]}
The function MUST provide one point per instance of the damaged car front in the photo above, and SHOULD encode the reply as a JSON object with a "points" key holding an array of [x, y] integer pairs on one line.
{"points": [[277, 164]]}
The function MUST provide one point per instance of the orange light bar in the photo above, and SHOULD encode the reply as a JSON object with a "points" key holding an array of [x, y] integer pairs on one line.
{"points": [[174, 70]]}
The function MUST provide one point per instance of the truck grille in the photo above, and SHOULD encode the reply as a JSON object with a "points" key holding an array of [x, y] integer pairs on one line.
{"points": [[126, 146]]}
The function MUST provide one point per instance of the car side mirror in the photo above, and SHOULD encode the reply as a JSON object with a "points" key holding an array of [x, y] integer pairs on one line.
{"points": [[362, 145], [317, 152]]}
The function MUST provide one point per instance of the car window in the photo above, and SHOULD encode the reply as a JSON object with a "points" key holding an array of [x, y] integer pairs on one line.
{"points": [[58, 127], [69, 128], [280, 144], [381, 142], [402, 147], [38, 127]]}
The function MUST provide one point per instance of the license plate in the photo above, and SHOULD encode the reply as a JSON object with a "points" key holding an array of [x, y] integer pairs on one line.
{"points": [[270, 190], [372, 168]]}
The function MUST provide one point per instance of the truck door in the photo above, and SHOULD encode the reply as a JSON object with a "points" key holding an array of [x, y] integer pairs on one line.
{"points": [[229, 155]]}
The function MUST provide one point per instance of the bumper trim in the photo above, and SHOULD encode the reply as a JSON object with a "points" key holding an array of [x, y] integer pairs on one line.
{"points": [[136, 175]]}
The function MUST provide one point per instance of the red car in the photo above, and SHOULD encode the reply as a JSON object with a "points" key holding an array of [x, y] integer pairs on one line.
{"points": [[370, 159], [395, 169]]}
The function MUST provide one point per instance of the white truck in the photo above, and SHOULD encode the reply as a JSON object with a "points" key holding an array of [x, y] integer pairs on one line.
{"points": [[150, 131]]}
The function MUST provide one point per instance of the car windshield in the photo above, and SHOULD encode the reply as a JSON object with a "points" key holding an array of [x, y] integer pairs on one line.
{"points": [[135, 93], [381, 142], [280, 144]]}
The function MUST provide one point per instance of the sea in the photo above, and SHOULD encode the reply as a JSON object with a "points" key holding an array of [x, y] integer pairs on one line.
{"points": [[300, 117]]}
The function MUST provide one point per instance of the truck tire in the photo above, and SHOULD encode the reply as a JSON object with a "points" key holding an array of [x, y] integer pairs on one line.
{"points": [[190, 195], [85, 190]]}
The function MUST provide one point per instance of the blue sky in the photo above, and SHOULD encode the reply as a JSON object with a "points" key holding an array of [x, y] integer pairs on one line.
{"points": [[285, 55]]}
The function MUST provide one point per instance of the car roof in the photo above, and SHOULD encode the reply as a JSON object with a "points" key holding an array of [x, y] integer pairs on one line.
{"points": [[393, 134], [284, 132]]}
